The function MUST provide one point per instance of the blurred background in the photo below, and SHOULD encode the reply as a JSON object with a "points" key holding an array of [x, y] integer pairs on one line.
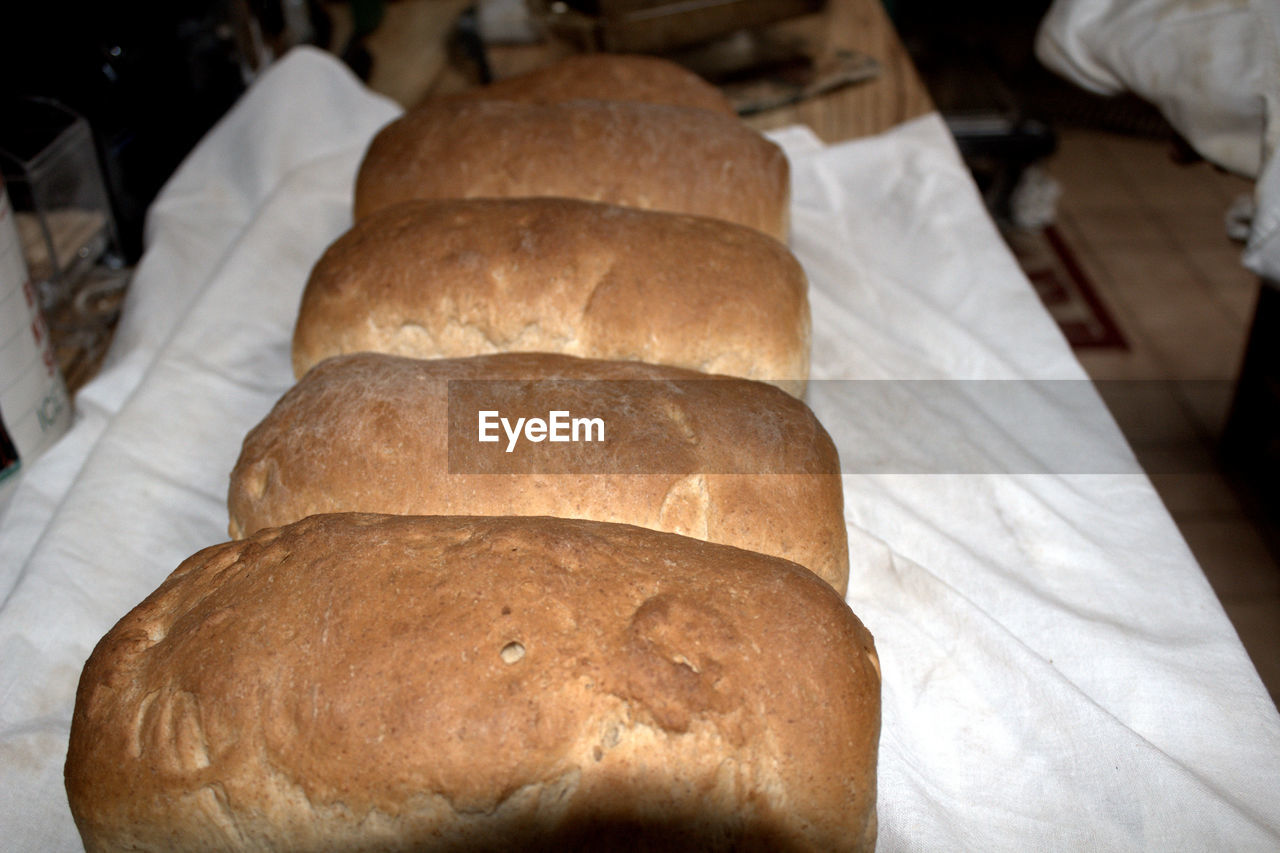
{"points": [[1132, 240]]}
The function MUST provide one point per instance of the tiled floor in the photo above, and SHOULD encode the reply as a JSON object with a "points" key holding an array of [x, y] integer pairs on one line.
{"points": [[1150, 234]]}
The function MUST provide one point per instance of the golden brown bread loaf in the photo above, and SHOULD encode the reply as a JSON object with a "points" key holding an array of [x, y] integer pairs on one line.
{"points": [[356, 682], [608, 77], [652, 156], [455, 278], [721, 459]]}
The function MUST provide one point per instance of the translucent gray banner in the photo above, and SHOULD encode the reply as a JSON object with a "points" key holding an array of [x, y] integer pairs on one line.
{"points": [[877, 426]]}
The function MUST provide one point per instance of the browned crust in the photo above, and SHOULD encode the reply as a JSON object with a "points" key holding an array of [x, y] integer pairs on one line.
{"points": [[651, 156], [341, 684], [456, 278], [370, 433], [608, 77]]}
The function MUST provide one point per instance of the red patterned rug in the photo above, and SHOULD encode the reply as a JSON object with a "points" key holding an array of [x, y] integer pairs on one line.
{"points": [[1065, 288]]}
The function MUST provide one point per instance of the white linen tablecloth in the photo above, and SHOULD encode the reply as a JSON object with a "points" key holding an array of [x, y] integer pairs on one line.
{"points": [[1058, 674]]}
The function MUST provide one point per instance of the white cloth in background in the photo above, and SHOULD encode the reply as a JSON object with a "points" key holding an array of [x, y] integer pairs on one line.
{"points": [[1057, 672], [1212, 67]]}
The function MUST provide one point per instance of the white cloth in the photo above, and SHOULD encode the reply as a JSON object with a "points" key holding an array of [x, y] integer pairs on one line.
{"points": [[1057, 671], [1212, 68]]}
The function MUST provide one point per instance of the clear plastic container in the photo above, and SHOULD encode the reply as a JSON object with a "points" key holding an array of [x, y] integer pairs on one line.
{"points": [[63, 212]]}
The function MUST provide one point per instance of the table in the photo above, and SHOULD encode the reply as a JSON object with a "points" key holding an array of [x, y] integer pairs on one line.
{"points": [[1058, 673]]}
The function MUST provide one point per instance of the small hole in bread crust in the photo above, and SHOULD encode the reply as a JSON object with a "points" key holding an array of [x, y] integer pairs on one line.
{"points": [[512, 652]]}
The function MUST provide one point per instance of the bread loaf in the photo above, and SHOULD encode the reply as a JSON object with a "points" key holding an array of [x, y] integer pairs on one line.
{"points": [[608, 77], [356, 682], [721, 459], [456, 278], [653, 156]]}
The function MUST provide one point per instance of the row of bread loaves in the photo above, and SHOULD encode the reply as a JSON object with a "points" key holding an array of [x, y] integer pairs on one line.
{"points": [[435, 632]]}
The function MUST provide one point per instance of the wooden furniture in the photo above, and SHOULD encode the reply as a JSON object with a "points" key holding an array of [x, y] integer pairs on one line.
{"points": [[408, 72]]}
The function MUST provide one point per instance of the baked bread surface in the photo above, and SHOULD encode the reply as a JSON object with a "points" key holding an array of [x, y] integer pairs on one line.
{"points": [[457, 278], [716, 458], [356, 682], [608, 77], [652, 156]]}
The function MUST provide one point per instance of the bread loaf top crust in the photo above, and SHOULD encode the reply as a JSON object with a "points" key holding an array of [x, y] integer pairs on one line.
{"points": [[608, 77], [721, 459], [652, 156], [455, 278], [394, 683]]}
